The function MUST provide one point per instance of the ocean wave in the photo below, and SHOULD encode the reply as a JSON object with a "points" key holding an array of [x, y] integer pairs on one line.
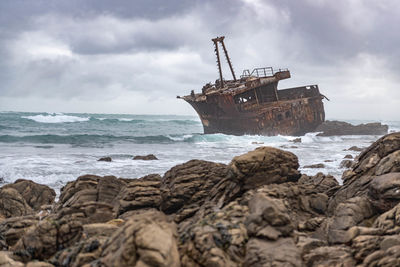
{"points": [[56, 118], [93, 139]]}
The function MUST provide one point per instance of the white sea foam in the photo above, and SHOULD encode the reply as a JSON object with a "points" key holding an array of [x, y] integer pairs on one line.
{"points": [[55, 118], [125, 119]]}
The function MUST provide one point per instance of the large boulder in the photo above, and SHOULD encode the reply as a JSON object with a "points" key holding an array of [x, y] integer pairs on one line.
{"points": [[264, 165], [36, 195]]}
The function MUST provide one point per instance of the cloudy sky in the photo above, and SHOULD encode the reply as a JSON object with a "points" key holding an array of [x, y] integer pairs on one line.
{"points": [[134, 56]]}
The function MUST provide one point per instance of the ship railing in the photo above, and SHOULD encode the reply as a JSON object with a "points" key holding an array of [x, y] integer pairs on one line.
{"points": [[261, 72]]}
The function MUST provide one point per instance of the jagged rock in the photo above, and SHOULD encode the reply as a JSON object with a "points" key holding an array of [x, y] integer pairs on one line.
{"points": [[36, 195], [264, 165], [387, 258], [47, 237], [378, 159], [282, 252], [268, 218], [330, 256], [350, 213], [185, 187], [146, 157], [215, 239], [91, 188], [12, 229], [106, 159], [146, 240], [140, 194], [88, 249], [12, 203], [7, 261], [384, 191], [314, 166], [321, 183], [330, 128]]}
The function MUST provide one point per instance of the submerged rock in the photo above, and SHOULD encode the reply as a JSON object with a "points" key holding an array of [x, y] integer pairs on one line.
{"points": [[314, 166], [107, 159], [146, 157]]}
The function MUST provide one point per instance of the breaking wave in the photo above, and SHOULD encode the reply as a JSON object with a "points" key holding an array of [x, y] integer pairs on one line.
{"points": [[56, 118]]}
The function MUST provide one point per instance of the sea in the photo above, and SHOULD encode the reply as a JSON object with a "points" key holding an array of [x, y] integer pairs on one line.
{"points": [[54, 148]]}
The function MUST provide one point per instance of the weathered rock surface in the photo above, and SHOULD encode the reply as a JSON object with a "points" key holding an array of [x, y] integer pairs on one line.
{"points": [[12, 203], [185, 187], [140, 194], [264, 165], [330, 128], [257, 211], [145, 240], [35, 195]]}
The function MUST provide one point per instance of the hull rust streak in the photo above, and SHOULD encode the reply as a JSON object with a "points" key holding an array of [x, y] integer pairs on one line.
{"points": [[254, 105]]}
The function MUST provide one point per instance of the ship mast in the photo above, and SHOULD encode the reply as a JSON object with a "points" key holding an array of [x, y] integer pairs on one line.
{"points": [[221, 40]]}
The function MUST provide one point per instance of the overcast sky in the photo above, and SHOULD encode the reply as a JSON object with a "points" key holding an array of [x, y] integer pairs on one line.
{"points": [[131, 56]]}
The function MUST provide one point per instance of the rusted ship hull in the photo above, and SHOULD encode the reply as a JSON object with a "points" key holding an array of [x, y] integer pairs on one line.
{"points": [[298, 111], [254, 105]]}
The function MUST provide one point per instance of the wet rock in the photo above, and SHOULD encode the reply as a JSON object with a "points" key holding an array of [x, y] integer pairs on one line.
{"points": [[140, 194], [107, 159], [12, 203], [264, 165], [330, 128], [328, 160], [345, 163], [355, 148], [296, 140], [348, 156], [314, 166], [36, 195], [185, 187], [146, 157], [147, 240]]}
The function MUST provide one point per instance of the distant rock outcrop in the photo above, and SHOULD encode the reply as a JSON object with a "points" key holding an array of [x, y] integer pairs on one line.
{"points": [[330, 128]]}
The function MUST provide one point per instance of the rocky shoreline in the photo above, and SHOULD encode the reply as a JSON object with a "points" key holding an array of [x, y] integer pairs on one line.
{"points": [[259, 210]]}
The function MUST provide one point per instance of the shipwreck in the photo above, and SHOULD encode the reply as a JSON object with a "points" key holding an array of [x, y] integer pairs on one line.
{"points": [[253, 104]]}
